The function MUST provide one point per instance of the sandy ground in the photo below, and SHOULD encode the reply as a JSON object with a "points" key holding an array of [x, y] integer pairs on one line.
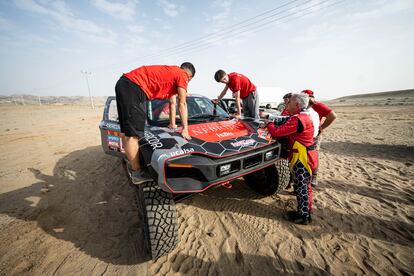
{"points": [[66, 208]]}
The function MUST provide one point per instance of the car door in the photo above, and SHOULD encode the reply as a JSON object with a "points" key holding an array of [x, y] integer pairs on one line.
{"points": [[110, 129]]}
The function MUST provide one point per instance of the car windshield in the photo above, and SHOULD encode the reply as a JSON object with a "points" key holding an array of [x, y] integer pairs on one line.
{"points": [[200, 109]]}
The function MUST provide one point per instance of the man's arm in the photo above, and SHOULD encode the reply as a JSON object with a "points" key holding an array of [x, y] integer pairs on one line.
{"points": [[329, 118], [238, 104], [173, 111], [222, 93], [182, 108], [291, 126]]}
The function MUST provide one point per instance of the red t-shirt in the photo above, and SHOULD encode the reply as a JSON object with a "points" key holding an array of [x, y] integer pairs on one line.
{"points": [[322, 109], [159, 81], [238, 82]]}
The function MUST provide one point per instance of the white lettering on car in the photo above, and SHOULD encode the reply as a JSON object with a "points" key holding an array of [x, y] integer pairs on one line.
{"points": [[112, 125], [210, 128], [181, 152], [153, 140], [113, 144], [224, 134], [243, 143], [176, 153]]}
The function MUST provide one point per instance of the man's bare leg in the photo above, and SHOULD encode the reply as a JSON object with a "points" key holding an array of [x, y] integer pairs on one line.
{"points": [[132, 150]]}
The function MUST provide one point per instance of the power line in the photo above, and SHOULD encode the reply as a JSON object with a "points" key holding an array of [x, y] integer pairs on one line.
{"points": [[244, 28], [219, 34], [257, 27], [230, 28]]}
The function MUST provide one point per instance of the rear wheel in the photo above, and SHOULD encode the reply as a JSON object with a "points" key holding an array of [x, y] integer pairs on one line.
{"points": [[160, 219], [270, 180]]}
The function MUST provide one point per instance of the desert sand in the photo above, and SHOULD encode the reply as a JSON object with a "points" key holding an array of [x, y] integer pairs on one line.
{"points": [[66, 208]]}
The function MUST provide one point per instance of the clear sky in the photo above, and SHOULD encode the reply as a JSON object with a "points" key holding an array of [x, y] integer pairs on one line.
{"points": [[334, 47]]}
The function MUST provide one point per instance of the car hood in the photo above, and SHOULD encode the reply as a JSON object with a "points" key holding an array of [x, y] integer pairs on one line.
{"points": [[213, 139], [223, 130]]}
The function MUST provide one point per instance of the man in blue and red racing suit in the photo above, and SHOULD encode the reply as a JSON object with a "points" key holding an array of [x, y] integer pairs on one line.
{"points": [[302, 154]]}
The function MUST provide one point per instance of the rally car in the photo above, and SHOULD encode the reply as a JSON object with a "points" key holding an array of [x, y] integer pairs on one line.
{"points": [[222, 149]]}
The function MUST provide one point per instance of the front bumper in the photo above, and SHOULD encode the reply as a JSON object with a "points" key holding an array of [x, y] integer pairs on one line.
{"points": [[198, 172]]}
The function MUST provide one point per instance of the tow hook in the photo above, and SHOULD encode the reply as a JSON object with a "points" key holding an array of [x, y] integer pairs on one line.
{"points": [[227, 185]]}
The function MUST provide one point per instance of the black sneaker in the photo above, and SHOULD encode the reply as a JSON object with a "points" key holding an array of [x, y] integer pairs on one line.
{"points": [[298, 218], [139, 177]]}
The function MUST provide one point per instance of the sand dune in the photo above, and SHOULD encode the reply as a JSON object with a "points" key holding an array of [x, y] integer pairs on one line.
{"points": [[67, 208], [399, 97]]}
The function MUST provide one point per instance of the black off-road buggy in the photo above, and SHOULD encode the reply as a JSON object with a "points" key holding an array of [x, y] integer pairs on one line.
{"points": [[222, 149]]}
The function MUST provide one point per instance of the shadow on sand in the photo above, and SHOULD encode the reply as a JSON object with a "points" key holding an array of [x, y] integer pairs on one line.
{"points": [[87, 201], [327, 220]]}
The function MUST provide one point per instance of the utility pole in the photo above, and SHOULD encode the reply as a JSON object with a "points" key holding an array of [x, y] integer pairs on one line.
{"points": [[87, 84]]}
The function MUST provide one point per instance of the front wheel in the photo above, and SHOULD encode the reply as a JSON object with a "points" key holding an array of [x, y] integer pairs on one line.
{"points": [[160, 219], [270, 180]]}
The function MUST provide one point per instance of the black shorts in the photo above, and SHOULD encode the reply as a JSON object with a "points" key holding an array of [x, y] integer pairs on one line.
{"points": [[131, 102]]}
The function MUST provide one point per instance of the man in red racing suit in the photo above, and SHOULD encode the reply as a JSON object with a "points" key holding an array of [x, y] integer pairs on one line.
{"points": [[302, 154]]}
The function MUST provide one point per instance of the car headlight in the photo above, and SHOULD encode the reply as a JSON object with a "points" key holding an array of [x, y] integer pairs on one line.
{"points": [[225, 169], [269, 155], [228, 168]]}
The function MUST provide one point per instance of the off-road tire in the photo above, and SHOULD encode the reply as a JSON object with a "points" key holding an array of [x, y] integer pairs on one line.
{"points": [[160, 219], [270, 180]]}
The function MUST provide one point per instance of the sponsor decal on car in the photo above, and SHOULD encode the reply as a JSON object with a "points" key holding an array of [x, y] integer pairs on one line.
{"points": [[113, 144], [213, 132], [113, 138], [112, 125], [176, 153], [113, 133], [243, 143], [153, 140], [224, 134], [264, 134]]}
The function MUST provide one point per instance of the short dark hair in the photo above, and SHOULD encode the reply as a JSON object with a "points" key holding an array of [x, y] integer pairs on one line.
{"points": [[189, 66], [219, 75], [287, 96]]}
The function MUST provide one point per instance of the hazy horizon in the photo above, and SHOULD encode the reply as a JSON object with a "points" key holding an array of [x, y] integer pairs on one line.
{"points": [[373, 94], [336, 48]]}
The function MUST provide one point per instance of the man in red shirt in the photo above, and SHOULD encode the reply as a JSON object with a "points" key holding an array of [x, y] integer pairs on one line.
{"points": [[243, 89], [143, 84], [302, 154], [326, 117]]}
